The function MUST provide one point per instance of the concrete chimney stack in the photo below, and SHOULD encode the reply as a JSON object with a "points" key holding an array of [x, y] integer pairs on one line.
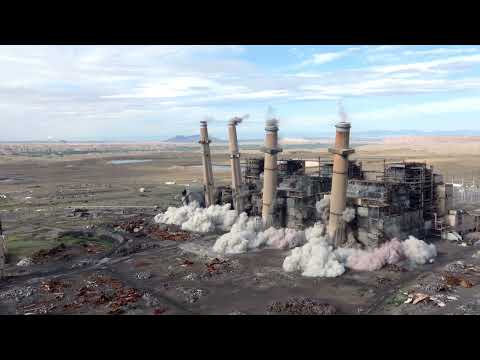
{"points": [[338, 197], [207, 164], [235, 163], [271, 150]]}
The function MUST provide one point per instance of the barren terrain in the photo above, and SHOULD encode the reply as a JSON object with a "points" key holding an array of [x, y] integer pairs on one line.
{"points": [[87, 223]]}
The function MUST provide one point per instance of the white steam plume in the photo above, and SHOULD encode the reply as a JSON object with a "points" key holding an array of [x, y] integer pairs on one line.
{"points": [[341, 112]]}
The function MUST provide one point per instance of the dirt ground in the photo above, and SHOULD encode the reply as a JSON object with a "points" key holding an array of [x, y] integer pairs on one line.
{"points": [[88, 226]]}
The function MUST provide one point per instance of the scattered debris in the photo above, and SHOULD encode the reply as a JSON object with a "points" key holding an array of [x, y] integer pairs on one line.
{"points": [[26, 261], [145, 275], [54, 286], [94, 248], [383, 280], [42, 255], [82, 263], [433, 284], [158, 233], [80, 212], [18, 293], [37, 309], [237, 313], [211, 265], [456, 267], [151, 300], [132, 226], [416, 298], [159, 311], [192, 295], [187, 263], [122, 298], [190, 277], [301, 306], [453, 280], [395, 268]]}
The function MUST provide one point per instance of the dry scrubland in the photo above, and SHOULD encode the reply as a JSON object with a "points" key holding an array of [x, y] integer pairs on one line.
{"points": [[40, 190]]}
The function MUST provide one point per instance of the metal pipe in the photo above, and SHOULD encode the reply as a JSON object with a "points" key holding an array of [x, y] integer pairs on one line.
{"points": [[271, 150], [207, 164], [235, 163], [338, 198]]}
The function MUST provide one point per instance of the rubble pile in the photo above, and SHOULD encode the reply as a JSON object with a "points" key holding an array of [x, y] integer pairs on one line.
{"points": [[18, 294], [192, 295], [301, 306], [132, 226], [158, 233], [106, 291]]}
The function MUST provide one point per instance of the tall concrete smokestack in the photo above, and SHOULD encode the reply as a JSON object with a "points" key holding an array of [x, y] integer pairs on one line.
{"points": [[207, 164], [338, 197], [235, 163], [271, 150]]}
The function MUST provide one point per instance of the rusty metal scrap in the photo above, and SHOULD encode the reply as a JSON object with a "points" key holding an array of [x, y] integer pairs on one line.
{"points": [[159, 311], [187, 263], [452, 280], [211, 265], [54, 286], [132, 226], [158, 233]]}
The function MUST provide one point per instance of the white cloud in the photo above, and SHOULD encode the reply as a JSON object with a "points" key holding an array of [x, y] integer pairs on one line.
{"points": [[439, 66], [393, 113], [326, 57], [440, 51], [86, 90]]}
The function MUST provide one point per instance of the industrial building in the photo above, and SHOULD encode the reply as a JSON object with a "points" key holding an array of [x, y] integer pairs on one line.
{"points": [[404, 198]]}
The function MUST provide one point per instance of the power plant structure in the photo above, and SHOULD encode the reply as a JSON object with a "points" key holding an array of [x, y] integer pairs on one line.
{"points": [[235, 163], [401, 199], [338, 202], [207, 164]]}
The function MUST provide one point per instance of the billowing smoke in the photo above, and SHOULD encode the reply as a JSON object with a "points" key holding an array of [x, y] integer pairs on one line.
{"points": [[244, 233], [271, 123], [418, 251], [245, 236], [192, 217], [312, 254], [248, 233], [348, 215], [392, 252], [316, 258], [323, 208]]}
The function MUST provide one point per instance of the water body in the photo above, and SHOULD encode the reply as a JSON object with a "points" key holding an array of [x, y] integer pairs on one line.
{"points": [[131, 161]]}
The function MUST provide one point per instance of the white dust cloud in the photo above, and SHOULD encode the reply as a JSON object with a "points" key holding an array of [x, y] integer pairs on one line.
{"points": [[192, 217], [312, 255]]}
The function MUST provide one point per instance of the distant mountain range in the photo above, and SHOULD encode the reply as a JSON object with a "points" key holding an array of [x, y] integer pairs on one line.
{"points": [[191, 139]]}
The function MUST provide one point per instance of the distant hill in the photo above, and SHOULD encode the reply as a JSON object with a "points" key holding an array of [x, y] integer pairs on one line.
{"points": [[190, 139]]}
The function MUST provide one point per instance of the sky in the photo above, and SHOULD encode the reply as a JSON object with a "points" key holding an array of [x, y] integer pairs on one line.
{"points": [[156, 92]]}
